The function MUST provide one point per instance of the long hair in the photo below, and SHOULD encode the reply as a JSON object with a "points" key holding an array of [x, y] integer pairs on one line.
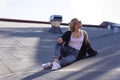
{"points": [[72, 24]]}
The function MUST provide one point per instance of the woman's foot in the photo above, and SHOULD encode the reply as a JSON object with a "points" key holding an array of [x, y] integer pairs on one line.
{"points": [[56, 66], [47, 65]]}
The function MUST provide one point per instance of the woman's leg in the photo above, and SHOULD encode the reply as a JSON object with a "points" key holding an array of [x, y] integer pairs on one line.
{"points": [[67, 56], [67, 60], [57, 52], [56, 57], [60, 51]]}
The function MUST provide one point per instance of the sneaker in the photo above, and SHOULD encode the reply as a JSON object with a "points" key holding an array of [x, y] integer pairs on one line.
{"points": [[56, 66], [46, 65]]}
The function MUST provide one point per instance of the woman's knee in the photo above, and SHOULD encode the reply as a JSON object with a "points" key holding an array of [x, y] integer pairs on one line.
{"points": [[67, 60]]}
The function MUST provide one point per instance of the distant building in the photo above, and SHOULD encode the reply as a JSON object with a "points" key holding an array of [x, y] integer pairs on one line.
{"points": [[111, 26], [107, 23]]}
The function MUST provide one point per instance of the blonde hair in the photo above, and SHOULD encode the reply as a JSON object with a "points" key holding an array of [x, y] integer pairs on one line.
{"points": [[72, 24]]}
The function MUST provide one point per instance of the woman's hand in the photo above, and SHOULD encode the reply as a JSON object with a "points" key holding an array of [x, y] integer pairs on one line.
{"points": [[59, 40]]}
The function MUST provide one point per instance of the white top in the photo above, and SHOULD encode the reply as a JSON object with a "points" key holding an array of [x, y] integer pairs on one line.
{"points": [[76, 42]]}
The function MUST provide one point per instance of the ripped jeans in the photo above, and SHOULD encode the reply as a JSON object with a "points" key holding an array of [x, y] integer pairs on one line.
{"points": [[67, 54]]}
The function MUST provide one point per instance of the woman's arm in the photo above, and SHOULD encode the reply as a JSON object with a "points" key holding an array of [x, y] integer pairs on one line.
{"points": [[65, 37], [85, 37]]}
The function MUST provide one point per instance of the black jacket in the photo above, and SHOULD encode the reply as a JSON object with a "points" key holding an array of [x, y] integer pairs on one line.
{"points": [[86, 48]]}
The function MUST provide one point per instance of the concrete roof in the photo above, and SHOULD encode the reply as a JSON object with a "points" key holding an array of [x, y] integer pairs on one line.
{"points": [[24, 48]]}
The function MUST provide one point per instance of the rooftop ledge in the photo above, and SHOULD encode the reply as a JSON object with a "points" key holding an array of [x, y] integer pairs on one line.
{"points": [[44, 22]]}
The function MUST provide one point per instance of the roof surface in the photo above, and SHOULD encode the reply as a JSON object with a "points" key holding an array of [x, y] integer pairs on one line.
{"points": [[24, 47]]}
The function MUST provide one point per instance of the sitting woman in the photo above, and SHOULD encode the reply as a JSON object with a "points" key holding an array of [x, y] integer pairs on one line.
{"points": [[73, 45]]}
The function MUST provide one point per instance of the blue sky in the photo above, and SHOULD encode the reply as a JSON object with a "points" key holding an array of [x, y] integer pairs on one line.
{"points": [[88, 11]]}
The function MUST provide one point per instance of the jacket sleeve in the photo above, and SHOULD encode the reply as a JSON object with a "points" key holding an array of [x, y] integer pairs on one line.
{"points": [[86, 48], [66, 36]]}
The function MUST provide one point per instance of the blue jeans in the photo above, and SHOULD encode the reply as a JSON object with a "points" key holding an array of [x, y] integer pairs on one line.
{"points": [[68, 54]]}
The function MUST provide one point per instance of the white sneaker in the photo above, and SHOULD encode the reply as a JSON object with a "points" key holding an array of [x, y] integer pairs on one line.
{"points": [[56, 66], [46, 65]]}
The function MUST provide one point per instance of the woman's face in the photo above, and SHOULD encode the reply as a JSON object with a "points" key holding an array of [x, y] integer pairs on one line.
{"points": [[78, 24]]}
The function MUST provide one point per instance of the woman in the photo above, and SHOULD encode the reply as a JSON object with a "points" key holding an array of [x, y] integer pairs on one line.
{"points": [[73, 45]]}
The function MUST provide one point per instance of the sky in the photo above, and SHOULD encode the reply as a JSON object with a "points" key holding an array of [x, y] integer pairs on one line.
{"points": [[88, 11]]}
